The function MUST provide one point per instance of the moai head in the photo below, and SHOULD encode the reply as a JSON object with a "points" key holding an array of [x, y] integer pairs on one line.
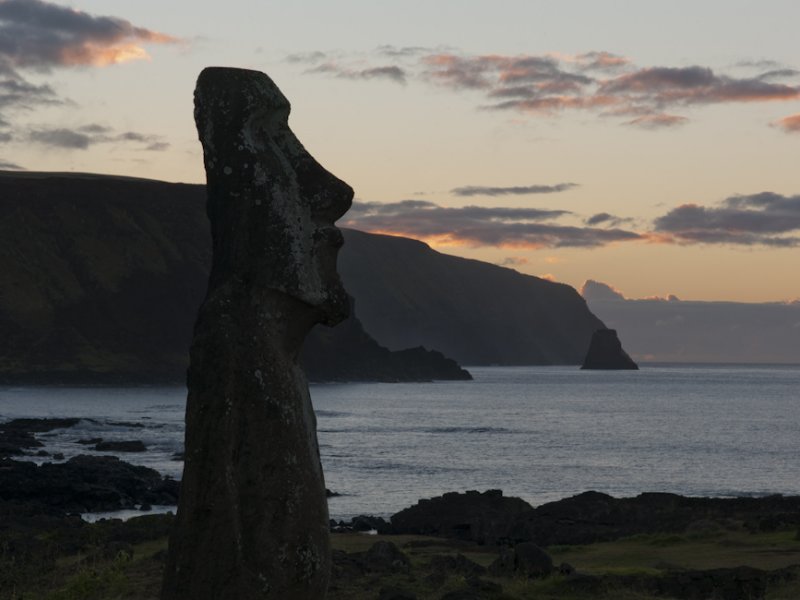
{"points": [[258, 172]]}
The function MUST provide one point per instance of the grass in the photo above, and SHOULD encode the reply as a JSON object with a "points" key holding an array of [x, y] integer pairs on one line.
{"points": [[103, 568], [655, 553]]}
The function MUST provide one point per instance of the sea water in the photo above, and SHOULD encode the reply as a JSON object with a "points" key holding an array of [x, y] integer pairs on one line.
{"points": [[540, 433]]}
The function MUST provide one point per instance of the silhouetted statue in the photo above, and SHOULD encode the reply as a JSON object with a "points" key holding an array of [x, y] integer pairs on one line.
{"points": [[252, 520]]}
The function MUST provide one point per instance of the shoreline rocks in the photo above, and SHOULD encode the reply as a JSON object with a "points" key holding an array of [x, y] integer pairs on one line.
{"points": [[85, 484]]}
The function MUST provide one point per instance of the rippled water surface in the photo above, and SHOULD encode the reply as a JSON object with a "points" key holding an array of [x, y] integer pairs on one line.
{"points": [[541, 433]]}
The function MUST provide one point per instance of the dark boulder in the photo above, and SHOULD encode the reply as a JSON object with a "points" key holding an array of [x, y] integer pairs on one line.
{"points": [[525, 559], [606, 353], [485, 518], [459, 564], [385, 557]]}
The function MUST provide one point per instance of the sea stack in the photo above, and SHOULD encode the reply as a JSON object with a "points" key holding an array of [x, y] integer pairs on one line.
{"points": [[252, 520], [605, 352]]}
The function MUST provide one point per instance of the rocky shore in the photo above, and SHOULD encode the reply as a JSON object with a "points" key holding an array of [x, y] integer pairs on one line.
{"points": [[456, 546]]}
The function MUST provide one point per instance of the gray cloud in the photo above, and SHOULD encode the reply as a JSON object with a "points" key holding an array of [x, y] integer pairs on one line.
{"points": [[67, 139], [757, 219], [81, 138], [594, 81], [39, 34], [658, 121], [402, 52], [9, 166], [779, 74], [665, 86], [602, 61], [477, 190], [16, 93], [391, 72], [606, 218], [480, 226], [306, 57], [514, 261]]}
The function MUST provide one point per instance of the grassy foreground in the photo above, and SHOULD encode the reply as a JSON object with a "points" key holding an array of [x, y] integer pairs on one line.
{"points": [[112, 560]]}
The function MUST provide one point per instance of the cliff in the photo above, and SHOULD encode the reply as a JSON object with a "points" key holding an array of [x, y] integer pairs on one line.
{"points": [[472, 311], [101, 277]]}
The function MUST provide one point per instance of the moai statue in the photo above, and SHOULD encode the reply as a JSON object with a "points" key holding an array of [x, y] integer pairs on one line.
{"points": [[253, 519]]}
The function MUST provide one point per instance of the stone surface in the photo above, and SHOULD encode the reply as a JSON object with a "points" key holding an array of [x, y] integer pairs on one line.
{"points": [[252, 520], [18, 435], [605, 352], [121, 446], [485, 517], [525, 559], [85, 484]]}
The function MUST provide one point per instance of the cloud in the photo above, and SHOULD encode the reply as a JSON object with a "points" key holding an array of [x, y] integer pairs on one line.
{"points": [[666, 86], [9, 166], [596, 290], [602, 61], [391, 72], [790, 124], [61, 138], [306, 57], [673, 330], [658, 121], [514, 261], [478, 226], [599, 81], [758, 64], [81, 138], [16, 93], [766, 219], [38, 34], [607, 218], [476, 190], [402, 52]]}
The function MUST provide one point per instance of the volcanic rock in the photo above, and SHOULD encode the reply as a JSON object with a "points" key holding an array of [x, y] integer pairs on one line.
{"points": [[485, 518], [606, 353]]}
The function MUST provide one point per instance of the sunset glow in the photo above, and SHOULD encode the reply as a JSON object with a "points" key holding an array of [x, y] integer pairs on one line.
{"points": [[604, 151]]}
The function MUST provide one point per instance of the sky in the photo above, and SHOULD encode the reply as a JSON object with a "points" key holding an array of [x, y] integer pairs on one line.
{"points": [[652, 146]]}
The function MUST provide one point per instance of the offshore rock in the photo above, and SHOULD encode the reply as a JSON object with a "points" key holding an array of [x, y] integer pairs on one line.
{"points": [[253, 520], [605, 352]]}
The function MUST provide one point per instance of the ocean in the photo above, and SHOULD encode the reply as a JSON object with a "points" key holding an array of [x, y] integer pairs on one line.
{"points": [[540, 433]]}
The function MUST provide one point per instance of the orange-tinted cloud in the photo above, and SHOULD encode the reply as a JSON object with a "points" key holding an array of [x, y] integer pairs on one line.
{"points": [[39, 34], [790, 124], [601, 82], [477, 226]]}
